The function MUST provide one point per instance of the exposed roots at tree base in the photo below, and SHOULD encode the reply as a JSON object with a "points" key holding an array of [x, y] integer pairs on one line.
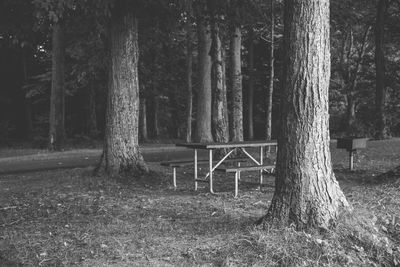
{"points": [[135, 170]]}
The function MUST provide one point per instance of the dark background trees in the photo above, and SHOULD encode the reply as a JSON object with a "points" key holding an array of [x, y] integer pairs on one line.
{"points": [[168, 46]]}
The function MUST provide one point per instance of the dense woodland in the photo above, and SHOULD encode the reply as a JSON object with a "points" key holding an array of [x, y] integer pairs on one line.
{"points": [[45, 45]]}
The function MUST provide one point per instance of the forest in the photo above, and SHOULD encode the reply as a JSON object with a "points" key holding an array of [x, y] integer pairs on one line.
{"points": [[70, 40], [138, 80]]}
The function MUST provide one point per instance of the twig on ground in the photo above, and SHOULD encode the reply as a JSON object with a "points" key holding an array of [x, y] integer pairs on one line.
{"points": [[8, 208], [11, 223]]}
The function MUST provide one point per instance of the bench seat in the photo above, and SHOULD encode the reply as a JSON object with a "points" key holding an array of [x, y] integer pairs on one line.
{"points": [[239, 169], [182, 163]]}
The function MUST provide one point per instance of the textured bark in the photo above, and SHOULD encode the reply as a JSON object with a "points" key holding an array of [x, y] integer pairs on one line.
{"points": [[380, 94], [219, 101], [189, 72], [57, 102], [306, 193], [121, 147], [270, 93], [236, 83], [203, 116], [250, 103]]}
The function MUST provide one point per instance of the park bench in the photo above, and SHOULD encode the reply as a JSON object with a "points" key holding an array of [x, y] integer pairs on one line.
{"points": [[174, 164], [238, 169]]}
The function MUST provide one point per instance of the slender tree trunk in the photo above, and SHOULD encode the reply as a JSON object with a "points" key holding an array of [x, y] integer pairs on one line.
{"points": [[155, 107], [271, 75], [143, 119], [91, 122], [57, 105], [219, 101], [350, 113], [203, 116], [189, 72], [380, 95], [121, 152], [251, 84], [306, 192], [236, 83], [27, 101]]}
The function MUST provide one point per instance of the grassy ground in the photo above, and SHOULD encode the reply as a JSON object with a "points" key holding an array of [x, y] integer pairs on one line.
{"points": [[68, 217]]}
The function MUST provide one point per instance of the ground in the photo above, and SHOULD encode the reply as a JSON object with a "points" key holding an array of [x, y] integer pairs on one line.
{"points": [[69, 217]]}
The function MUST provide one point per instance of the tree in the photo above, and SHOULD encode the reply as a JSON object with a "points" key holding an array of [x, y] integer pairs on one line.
{"points": [[57, 99], [250, 98], [121, 153], [189, 65], [271, 75], [236, 73], [203, 116], [306, 191], [219, 102], [380, 94]]}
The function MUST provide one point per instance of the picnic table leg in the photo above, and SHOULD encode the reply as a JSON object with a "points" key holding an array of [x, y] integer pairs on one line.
{"points": [[195, 170], [174, 176], [237, 175], [261, 163], [210, 157]]}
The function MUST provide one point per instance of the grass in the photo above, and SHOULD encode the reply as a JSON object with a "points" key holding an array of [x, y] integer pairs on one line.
{"points": [[69, 218]]}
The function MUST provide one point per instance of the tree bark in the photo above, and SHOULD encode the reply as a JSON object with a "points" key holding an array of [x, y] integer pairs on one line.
{"points": [[203, 116], [219, 101], [236, 83], [380, 94], [189, 71], [271, 76], [250, 102], [306, 191], [57, 99], [121, 154]]}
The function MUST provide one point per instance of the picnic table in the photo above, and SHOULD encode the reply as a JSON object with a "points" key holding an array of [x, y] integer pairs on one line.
{"points": [[229, 148]]}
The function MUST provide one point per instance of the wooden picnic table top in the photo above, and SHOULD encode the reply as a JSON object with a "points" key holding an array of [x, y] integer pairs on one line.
{"points": [[213, 145]]}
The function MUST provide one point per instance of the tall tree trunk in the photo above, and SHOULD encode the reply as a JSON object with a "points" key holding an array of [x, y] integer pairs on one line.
{"points": [[143, 119], [91, 122], [236, 83], [121, 152], [271, 75], [380, 94], [27, 101], [219, 101], [250, 103], [189, 71], [57, 102], [203, 116], [306, 192]]}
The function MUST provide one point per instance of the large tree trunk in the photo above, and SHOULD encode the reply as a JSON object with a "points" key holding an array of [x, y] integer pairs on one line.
{"points": [[189, 72], [380, 95], [250, 103], [306, 193], [219, 102], [236, 83], [271, 76], [57, 103], [121, 147], [203, 116]]}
